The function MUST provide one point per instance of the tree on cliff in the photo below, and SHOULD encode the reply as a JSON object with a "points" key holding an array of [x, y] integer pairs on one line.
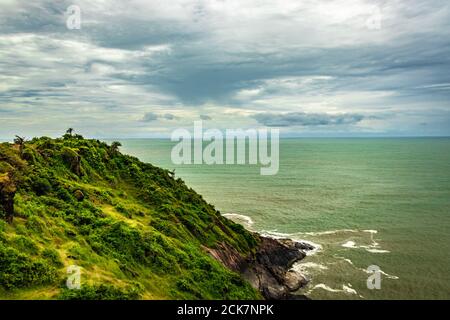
{"points": [[114, 149], [20, 141]]}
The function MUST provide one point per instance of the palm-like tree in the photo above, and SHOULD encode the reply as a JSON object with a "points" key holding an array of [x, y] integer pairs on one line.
{"points": [[69, 131], [115, 147], [20, 141]]}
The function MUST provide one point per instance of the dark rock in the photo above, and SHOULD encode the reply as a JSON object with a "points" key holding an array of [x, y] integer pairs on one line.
{"points": [[304, 246], [267, 270], [79, 195], [294, 280]]}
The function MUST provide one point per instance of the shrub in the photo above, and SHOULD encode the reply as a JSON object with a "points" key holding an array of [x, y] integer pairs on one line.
{"points": [[52, 256], [28, 154], [41, 186], [187, 285], [81, 217], [25, 244], [35, 224], [102, 292], [121, 209], [5, 167], [17, 270], [64, 195], [131, 245]]}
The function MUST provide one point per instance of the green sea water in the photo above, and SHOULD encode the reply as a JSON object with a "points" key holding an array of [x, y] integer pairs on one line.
{"points": [[383, 202]]}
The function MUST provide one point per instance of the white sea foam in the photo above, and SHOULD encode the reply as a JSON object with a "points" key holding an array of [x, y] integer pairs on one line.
{"points": [[294, 237], [316, 247], [345, 289], [348, 261], [329, 232], [303, 267], [246, 220], [276, 235], [325, 287], [389, 276], [349, 244], [372, 248], [348, 289], [377, 250]]}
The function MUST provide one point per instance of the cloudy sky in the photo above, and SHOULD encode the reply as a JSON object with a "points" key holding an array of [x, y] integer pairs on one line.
{"points": [[141, 68]]}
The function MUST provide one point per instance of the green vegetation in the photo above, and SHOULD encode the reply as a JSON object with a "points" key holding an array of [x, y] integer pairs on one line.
{"points": [[135, 230]]}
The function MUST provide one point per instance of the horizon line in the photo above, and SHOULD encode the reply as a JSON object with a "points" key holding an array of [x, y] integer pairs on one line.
{"points": [[3, 139]]}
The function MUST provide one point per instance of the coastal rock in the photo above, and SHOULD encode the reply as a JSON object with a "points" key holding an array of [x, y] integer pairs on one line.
{"points": [[294, 280], [304, 246], [269, 268]]}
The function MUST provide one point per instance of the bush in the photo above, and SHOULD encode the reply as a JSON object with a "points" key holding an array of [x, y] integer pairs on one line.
{"points": [[25, 244], [187, 285], [17, 270], [82, 217], [35, 224], [41, 186], [102, 292], [28, 154], [52, 256], [5, 167], [64, 195], [121, 209], [131, 245]]}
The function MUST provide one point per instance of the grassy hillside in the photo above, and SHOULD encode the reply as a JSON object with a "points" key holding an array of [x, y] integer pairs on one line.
{"points": [[134, 229]]}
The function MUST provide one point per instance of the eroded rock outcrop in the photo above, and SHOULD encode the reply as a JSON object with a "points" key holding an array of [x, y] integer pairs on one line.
{"points": [[268, 269]]}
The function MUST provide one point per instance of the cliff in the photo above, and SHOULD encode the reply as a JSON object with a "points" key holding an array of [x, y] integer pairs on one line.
{"points": [[268, 269], [134, 231]]}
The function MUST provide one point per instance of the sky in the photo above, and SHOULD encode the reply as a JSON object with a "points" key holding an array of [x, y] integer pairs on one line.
{"points": [[143, 68]]}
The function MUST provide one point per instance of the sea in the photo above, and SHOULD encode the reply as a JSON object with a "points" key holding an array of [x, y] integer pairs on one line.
{"points": [[376, 209]]}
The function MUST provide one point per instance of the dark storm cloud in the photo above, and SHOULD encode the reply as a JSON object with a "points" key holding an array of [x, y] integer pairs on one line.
{"points": [[205, 117], [149, 116], [169, 116]]}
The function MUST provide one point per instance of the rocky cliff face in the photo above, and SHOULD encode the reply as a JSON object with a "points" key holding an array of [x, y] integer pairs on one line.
{"points": [[269, 268]]}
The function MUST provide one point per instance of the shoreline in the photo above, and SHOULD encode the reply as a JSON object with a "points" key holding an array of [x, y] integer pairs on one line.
{"points": [[270, 268]]}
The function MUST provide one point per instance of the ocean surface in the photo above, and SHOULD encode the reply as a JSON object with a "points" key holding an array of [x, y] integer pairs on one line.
{"points": [[363, 202]]}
